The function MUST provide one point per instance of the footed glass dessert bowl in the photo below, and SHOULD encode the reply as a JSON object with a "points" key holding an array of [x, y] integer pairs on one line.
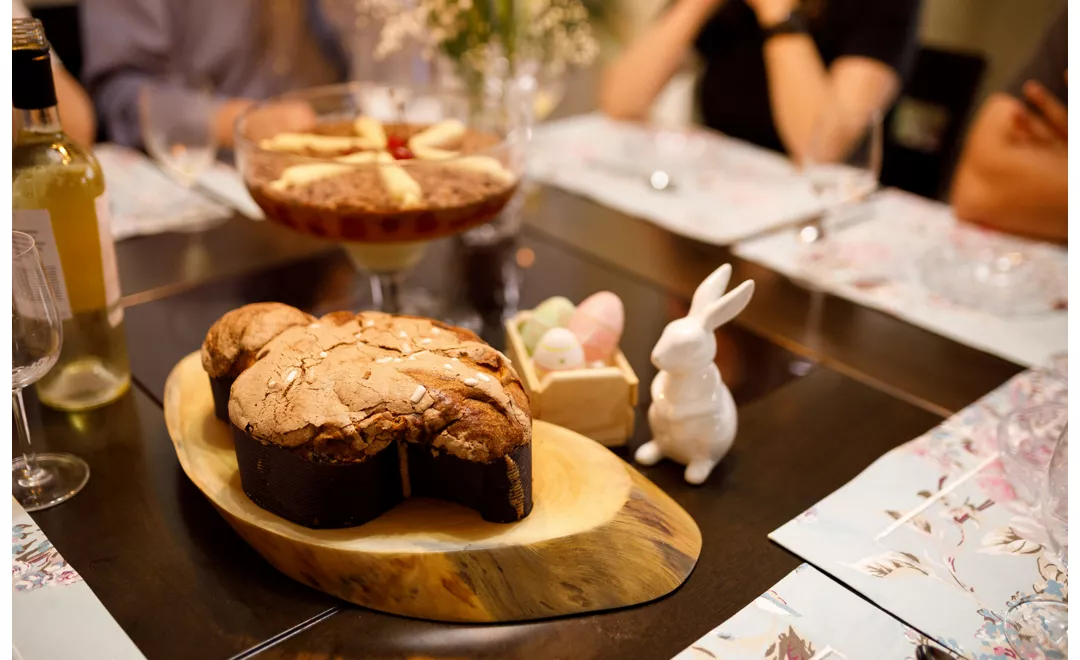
{"points": [[380, 169]]}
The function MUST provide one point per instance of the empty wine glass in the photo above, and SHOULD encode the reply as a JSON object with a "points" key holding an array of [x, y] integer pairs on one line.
{"points": [[177, 128], [39, 481], [542, 90], [1026, 440], [841, 166], [1038, 627]]}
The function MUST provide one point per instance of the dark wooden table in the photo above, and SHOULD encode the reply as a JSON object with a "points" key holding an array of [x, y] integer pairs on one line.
{"points": [[824, 388]]}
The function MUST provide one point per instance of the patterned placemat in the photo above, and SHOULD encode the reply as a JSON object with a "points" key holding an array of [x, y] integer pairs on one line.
{"points": [[54, 612], [143, 200], [876, 258], [933, 532], [808, 616], [722, 189]]}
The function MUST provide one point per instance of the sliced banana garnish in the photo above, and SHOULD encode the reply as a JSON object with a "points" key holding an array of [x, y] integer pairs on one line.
{"points": [[371, 131], [433, 153], [438, 135], [321, 144], [402, 188], [302, 175], [484, 165], [360, 157]]}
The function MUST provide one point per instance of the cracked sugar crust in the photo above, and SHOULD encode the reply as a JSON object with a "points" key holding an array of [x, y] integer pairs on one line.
{"points": [[235, 339], [342, 391]]}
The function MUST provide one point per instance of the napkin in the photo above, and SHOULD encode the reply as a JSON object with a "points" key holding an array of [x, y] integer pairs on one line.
{"points": [[144, 200], [225, 184]]}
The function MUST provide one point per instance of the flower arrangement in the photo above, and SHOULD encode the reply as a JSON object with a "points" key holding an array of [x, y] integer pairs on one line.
{"points": [[476, 35]]}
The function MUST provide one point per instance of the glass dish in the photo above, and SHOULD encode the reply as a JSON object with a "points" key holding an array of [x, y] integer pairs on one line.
{"points": [[326, 192]]}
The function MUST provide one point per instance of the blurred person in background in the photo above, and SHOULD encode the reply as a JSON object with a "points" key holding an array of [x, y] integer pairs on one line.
{"points": [[768, 65], [243, 50], [1014, 171], [76, 109]]}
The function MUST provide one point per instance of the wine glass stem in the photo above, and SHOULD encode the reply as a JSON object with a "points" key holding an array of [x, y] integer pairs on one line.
{"points": [[386, 292], [32, 475]]}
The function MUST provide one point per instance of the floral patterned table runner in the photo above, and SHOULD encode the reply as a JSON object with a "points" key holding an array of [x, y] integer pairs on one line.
{"points": [[54, 613], [722, 189], [808, 616], [933, 533], [875, 259]]}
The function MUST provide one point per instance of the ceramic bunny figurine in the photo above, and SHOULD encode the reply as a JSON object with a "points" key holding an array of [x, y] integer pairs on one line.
{"points": [[693, 416]]}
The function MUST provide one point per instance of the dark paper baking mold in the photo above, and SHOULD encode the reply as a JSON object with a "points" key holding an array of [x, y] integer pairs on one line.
{"points": [[220, 388], [328, 495]]}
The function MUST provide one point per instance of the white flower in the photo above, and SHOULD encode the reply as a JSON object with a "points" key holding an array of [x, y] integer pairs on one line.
{"points": [[552, 32]]}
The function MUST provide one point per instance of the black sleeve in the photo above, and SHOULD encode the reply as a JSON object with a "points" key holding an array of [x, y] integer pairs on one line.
{"points": [[725, 25], [1049, 61], [884, 30]]}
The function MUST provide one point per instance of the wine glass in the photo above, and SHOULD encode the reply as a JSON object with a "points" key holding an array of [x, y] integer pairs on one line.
{"points": [[177, 128], [350, 202], [1026, 440], [39, 481], [1038, 627], [841, 167], [542, 89]]}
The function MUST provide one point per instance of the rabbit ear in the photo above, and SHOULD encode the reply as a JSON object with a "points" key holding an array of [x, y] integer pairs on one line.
{"points": [[728, 307], [710, 290]]}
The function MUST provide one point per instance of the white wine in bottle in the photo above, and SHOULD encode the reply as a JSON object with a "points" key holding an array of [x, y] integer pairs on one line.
{"points": [[58, 197]]}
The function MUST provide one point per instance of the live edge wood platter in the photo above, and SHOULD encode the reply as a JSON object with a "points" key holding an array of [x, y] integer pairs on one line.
{"points": [[600, 535]]}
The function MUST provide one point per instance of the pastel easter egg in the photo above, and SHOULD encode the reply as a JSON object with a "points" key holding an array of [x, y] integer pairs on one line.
{"points": [[598, 325], [558, 350], [552, 313]]}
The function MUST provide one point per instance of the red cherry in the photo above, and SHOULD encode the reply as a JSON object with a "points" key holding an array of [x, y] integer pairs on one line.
{"points": [[401, 153], [398, 147]]}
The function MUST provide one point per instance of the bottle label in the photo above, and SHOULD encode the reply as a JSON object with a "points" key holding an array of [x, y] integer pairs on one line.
{"points": [[108, 260], [36, 222]]}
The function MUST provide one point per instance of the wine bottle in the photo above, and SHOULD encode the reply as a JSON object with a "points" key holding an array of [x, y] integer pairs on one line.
{"points": [[58, 197]]}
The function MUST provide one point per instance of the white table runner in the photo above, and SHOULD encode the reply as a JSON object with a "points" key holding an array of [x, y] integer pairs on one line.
{"points": [[875, 262], [724, 189]]}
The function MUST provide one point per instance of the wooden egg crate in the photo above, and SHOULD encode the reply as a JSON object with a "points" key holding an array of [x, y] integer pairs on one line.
{"points": [[596, 402]]}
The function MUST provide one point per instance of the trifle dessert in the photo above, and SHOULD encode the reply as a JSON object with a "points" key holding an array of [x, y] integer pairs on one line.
{"points": [[380, 178]]}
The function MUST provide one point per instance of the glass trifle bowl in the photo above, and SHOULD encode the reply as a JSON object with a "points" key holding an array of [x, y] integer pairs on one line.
{"points": [[381, 169]]}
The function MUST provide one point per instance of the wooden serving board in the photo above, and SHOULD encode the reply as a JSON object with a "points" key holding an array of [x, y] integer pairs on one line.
{"points": [[600, 535]]}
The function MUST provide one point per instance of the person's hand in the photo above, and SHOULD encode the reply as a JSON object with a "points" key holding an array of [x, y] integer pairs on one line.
{"points": [[1042, 121], [1053, 111], [225, 118], [771, 12], [286, 116]]}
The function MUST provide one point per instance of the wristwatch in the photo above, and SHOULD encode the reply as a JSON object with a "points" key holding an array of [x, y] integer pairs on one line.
{"points": [[795, 23]]}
